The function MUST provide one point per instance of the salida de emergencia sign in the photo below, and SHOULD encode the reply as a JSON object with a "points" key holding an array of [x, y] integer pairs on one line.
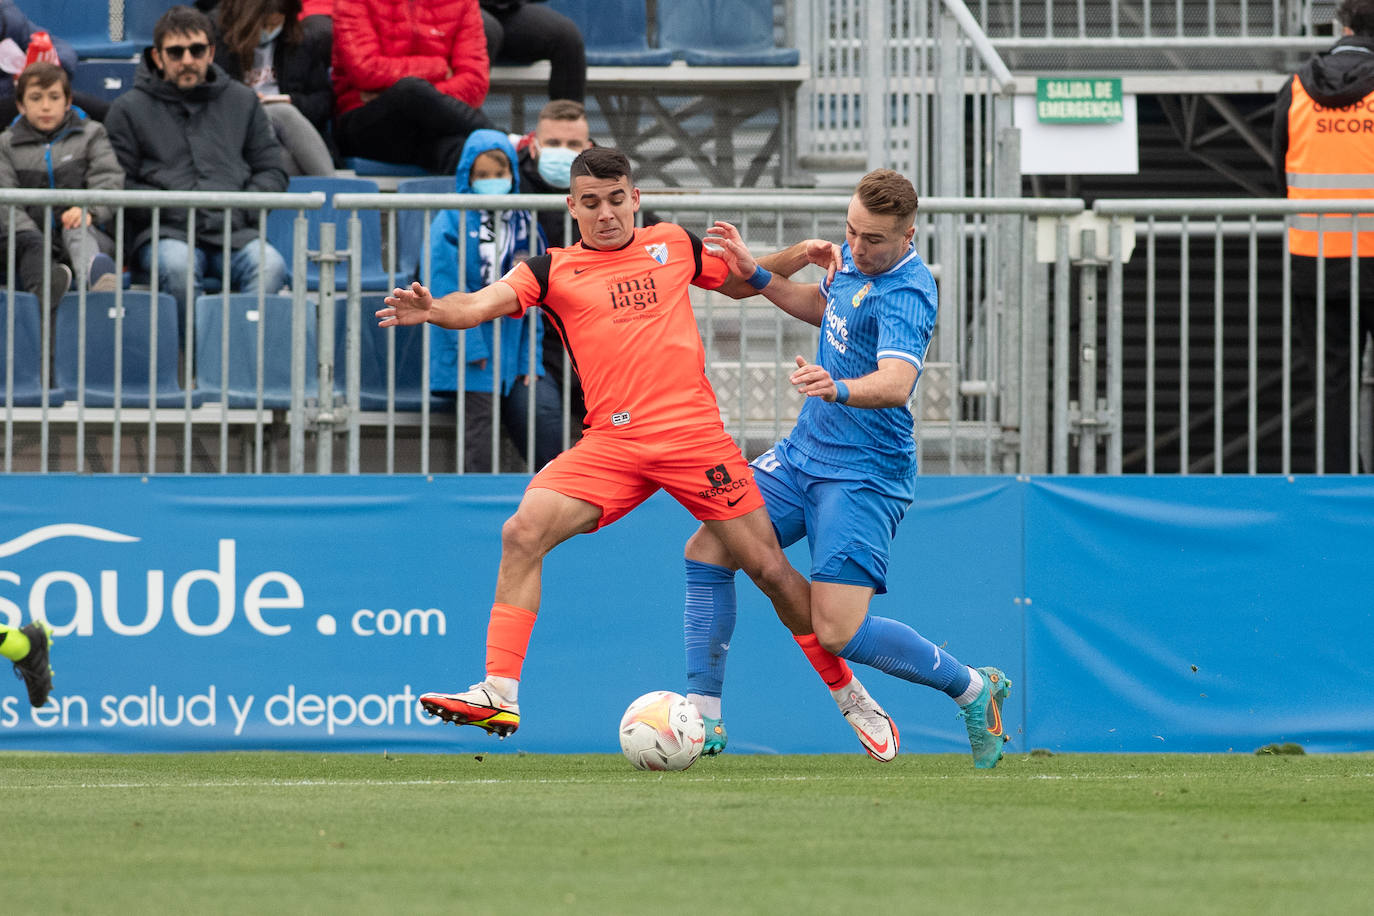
{"points": [[1078, 100]]}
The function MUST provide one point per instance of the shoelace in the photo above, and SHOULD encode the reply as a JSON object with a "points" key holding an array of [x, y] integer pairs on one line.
{"points": [[863, 708]]}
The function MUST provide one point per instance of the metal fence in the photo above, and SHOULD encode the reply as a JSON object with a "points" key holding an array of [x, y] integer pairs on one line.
{"points": [[1146, 337]]}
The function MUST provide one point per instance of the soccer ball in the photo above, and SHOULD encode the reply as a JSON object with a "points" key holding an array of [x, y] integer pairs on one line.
{"points": [[662, 730]]}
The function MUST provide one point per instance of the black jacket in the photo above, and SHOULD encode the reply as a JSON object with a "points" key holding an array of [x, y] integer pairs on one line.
{"points": [[1336, 77], [302, 73], [214, 137]]}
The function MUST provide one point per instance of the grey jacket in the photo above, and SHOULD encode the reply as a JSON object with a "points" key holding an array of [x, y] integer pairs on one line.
{"points": [[214, 137], [77, 154]]}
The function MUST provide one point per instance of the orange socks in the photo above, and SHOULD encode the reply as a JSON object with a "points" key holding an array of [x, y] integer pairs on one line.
{"points": [[832, 669], [508, 636]]}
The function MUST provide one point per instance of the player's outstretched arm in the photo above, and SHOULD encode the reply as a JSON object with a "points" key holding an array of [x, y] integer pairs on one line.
{"points": [[456, 310], [796, 299], [889, 386]]}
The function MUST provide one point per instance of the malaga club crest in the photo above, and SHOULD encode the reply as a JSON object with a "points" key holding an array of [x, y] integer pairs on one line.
{"points": [[658, 251]]}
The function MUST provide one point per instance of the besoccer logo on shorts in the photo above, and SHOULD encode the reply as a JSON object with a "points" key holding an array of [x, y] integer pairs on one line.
{"points": [[717, 476]]}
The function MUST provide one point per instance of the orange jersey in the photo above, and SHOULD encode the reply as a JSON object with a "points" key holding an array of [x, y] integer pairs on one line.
{"points": [[628, 326]]}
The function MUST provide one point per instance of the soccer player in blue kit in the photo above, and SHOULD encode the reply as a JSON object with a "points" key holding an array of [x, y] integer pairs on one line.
{"points": [[844, 478]]}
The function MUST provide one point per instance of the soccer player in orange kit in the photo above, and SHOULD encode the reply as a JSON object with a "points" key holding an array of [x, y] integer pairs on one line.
{"points": [[619, 298]]}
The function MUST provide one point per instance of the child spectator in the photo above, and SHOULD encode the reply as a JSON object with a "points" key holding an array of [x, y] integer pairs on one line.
{"points": [[54, 145], [485, 167]]}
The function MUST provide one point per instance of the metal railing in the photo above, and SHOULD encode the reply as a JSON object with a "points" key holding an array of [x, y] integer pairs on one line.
{"points": [[139, 406], [1199, 368], [1144, 337]]}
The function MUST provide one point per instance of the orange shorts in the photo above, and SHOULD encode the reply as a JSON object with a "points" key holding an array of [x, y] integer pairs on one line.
{"points": [[706, 474]]}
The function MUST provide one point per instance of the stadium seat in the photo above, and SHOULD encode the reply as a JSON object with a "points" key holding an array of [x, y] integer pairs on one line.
{"points": [[722, 33], [83, 24], [28, 347], [614, 32], [408, 356], [280, 234], [133, 347], [410, 226], [377, 168], [105, 79], [139, 18], [239, 388]]}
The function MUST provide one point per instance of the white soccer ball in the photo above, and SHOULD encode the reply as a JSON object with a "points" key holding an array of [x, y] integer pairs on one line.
{"points": [[662, 730]]}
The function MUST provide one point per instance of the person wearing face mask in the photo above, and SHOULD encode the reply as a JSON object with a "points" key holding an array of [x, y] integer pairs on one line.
{"points": [[262, 43], [546, 154], [471, 237]]}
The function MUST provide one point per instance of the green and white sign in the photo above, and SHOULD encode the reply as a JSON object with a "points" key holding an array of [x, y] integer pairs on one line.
{"points": [[1078, 100]]}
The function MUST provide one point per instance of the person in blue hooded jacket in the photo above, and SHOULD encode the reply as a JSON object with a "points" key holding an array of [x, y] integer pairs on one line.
{"points": [[490, 243]]}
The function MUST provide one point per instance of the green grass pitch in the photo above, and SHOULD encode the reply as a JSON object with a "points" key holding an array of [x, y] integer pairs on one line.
{"points": [[519, 833]]}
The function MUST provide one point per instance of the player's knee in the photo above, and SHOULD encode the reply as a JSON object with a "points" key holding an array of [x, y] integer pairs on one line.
{"points": [[831, 636], [705, 547], [520, 538]]}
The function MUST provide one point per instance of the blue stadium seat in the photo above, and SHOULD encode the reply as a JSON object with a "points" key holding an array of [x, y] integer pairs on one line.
{"points": [[140, 16], [376, 167], [408, 356], [28, 347], [137, 388], [614, 32], [105, 79], [722, 33], [410, 226], [239, 388], [84, 24], [280, 233]]}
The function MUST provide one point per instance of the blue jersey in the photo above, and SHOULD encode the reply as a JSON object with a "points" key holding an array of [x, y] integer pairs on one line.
{"points": [[867, 318]]}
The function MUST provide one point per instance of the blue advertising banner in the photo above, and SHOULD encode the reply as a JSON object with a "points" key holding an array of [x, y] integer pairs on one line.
{"points": [[310, 612], [278, 612], [1200, 614]]}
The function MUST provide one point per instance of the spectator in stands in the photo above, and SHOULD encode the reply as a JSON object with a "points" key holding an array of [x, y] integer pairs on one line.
{"points": [[546, 155], [186, 126], [262, 43], [17, 27], [524, 32], [486, 168], [410, 79], [53, 145], [1323, 150]]}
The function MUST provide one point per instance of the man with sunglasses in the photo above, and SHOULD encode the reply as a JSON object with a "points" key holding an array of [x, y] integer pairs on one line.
{"points": [[187, 126]]}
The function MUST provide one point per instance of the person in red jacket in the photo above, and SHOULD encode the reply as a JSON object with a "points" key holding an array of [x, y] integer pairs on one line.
{"points": [[409, 79]]}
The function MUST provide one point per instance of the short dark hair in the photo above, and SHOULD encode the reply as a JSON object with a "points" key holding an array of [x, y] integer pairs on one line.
{"points": [[563, 110], [601, 162], [43, 74], [889, 192], [1357, 16], [182, 20]]}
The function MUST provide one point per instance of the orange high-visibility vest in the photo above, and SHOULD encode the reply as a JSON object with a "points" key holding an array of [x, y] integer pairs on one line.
{"points": [[1330, 157]]}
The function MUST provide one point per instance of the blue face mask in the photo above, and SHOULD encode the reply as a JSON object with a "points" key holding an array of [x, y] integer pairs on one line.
{"points": [[491, 186], [554, 164], [267, 36]]}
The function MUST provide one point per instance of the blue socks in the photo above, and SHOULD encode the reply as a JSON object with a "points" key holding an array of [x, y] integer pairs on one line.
{"points": [[895, 648], [708, 623]]}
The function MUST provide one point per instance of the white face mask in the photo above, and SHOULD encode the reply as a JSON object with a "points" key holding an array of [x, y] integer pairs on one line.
{"points": [[267, 36], [554, 164]]}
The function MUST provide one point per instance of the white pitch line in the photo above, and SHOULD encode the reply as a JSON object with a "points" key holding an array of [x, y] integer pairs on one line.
{"points": [[628, 779]]}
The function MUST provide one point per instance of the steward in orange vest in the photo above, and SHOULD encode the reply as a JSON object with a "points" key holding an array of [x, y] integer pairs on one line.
{"points": [[1324, 150]]}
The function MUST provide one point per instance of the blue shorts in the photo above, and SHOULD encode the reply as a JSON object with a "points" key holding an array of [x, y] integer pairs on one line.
{"points": [[849, 524]]}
